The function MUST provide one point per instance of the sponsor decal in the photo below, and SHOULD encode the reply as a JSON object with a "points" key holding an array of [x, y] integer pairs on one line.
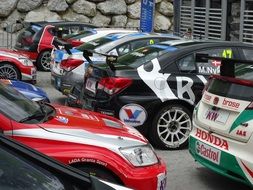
{"points": [[133, 114], [216, 63], [208, 152], [230, 103], [75, 160], [208, 137], [212, 115], [208, 70], [62, 119], [215, 100], [241, 133], [207, 97], [161, 181], [160, 86]]}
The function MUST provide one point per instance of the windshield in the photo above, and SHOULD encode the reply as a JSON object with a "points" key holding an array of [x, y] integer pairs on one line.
{"points": [[91, 45], [143, 55], [17, 107]]}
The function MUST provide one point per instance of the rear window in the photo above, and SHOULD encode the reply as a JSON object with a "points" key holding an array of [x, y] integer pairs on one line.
{"points": [[231, 90], [143, 55]]}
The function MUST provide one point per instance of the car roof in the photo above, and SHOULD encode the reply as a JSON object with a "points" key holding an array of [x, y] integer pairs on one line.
{"points": [[120, 38], [185, 49], [61, 23]]}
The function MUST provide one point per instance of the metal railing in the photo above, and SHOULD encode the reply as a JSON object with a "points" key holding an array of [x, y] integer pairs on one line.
{"points": [[246, 22]]}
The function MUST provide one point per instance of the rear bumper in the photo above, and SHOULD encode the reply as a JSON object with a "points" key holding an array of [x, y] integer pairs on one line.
{"points": [[234, 162]]}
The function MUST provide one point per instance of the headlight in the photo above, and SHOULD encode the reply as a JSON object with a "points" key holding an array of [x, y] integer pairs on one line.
{"points": [[140, 156], [25, 61]]}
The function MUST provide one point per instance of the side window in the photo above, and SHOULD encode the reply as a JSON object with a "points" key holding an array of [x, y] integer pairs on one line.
{"points": [[187, 64], [123, 49], [248, 54], [213, 66]]}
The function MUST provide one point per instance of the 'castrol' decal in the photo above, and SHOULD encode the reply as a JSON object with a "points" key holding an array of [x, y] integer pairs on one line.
{"points": [[208, 152], [158, 82], [208, 137]]}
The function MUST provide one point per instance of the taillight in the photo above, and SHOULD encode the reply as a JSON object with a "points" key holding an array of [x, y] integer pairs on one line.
{"points": [[69, 64], [113, 85], [75, 43]]}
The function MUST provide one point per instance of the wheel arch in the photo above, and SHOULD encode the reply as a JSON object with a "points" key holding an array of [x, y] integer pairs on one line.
{"points": [[13, 63], [95, 165]]}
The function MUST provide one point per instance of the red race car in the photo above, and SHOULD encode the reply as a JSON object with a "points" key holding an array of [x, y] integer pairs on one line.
{"points": [[36, 40], [97, 144], [14, 65]]}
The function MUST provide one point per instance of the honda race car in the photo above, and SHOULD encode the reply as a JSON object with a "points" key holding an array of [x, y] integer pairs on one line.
{"points": [[36, 39], [28, 90], [114, 44], [155, 88], [14, 65], [221, 138], [97, 144]]}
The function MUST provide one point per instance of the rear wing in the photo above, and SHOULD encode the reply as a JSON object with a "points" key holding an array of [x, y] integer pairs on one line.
{"points": [[110, 59], [227, 67]]}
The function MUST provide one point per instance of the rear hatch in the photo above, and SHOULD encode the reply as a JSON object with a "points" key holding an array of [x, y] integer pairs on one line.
{"points": [[226, 108]]}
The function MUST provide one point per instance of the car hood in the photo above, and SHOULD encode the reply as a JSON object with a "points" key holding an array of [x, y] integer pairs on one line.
{"points": [[91, 128], [11, 53]]}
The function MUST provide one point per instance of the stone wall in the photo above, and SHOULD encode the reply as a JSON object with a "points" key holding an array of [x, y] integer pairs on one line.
{"points": [[119, 13]]}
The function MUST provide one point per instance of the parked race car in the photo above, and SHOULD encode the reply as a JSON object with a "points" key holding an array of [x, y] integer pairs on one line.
{"points": [[36, 39], [24, 168], [221, 138], [92, 34], [159, 77], [14, 65], [97, 144], [114, 44], [28, 90]]}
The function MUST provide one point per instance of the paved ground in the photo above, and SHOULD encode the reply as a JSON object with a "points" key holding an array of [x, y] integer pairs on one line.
{"points": [[183, 172]]}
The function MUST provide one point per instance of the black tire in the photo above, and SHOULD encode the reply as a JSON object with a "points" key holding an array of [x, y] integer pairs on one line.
{"points": [[100, 172], [9, 71], [43, 61], [171, 127]]}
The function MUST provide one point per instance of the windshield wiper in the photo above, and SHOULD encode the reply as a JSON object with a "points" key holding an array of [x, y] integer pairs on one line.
{"points": [[31, 117]]}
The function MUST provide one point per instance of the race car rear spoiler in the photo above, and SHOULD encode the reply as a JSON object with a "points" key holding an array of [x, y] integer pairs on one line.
{"points": [[227, 67], [110, 59]]}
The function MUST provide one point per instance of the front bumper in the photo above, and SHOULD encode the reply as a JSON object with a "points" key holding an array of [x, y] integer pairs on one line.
{"points": [[29, 74], [143, 178], [234, 162]]}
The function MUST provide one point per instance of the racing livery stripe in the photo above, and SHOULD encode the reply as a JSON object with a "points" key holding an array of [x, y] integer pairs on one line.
{"points": [[248, 170], [160, 86], [42, 38], [245, 116], [80, 136]]}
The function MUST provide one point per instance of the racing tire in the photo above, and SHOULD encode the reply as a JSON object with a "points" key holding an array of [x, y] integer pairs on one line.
{"points": [[43, 61], [9, 71], [171, 127], [100, 173]]}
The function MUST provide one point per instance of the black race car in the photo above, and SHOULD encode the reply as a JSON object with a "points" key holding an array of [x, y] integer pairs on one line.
{"points": [[155, 88], [24, 168], [35, 40]]}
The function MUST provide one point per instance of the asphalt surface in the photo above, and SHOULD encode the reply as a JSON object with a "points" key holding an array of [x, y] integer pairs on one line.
{"points": [[183, 172]]}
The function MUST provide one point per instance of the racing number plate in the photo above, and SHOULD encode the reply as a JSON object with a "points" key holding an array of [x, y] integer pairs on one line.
{"points": [[208, 152], [218, 116], [161, 181], [91, 85]]}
